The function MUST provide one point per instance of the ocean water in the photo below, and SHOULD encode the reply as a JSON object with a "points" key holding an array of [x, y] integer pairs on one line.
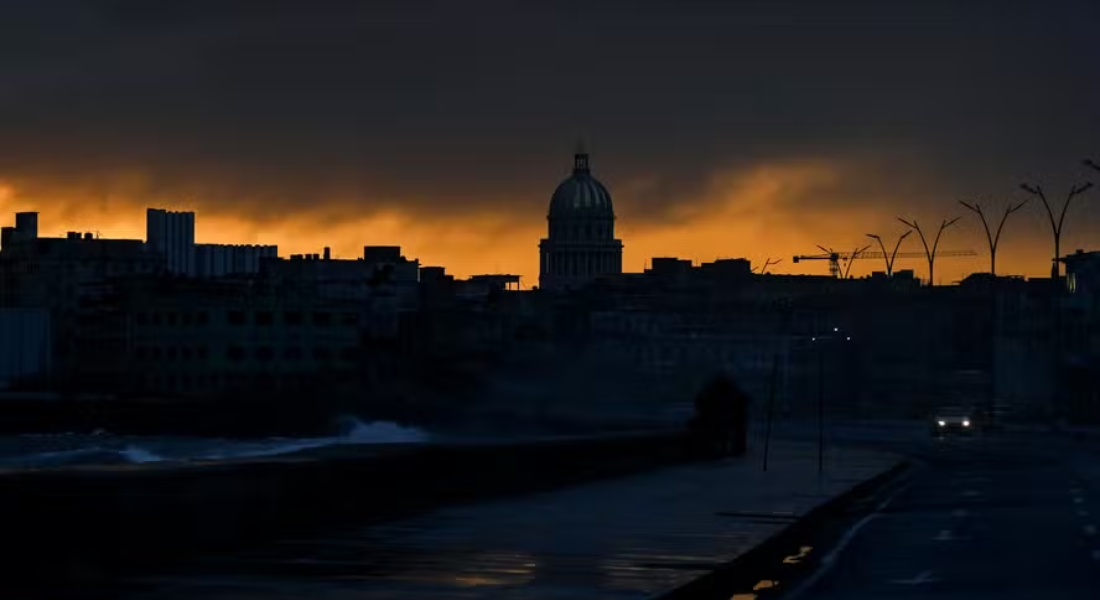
{"points": [[35, 451]]}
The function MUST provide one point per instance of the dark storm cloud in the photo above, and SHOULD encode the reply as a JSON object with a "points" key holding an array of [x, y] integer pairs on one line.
{"points": [[450, 107]]}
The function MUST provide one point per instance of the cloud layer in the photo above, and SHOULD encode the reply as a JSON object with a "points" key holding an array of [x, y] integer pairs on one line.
{"points": [[745, 128]]}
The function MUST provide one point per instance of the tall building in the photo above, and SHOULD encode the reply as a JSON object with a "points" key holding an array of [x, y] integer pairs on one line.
{"points": [[173, 235], [580, 244], [26, 228]]}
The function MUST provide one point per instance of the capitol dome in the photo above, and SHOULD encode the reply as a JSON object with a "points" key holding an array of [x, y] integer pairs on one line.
{"points": [[582, 195], [580, 245]]}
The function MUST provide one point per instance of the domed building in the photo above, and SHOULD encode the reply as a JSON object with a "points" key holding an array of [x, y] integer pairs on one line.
{"points": [[580, 244]]}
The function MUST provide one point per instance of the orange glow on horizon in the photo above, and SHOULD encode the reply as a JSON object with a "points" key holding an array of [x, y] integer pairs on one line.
{"points": [[772, 211]]}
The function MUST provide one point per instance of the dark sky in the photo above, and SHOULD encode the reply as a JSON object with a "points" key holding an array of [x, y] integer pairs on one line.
{"points": [[270, 110]]}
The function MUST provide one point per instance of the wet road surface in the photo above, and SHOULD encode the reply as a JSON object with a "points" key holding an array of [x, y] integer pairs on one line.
{"points": [[632, 537], [1005, 517]]}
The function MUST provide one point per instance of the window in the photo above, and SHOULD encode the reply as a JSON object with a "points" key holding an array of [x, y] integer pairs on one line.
{"points": [[264, 353], [348, 353], [293, 353], [322, 318], [200, 352], [142, 318], [235, 353], [140, 352], [202, 318], [171, 353], [171, 318], [156, 318], [292, 318], [186, 318], [185, 353], [154, 353], [265, 317], [349, 319], [236, 317], [321, 354]]}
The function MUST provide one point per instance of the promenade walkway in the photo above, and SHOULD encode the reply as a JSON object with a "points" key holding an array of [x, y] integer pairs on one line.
{"points": [[632, 537]]}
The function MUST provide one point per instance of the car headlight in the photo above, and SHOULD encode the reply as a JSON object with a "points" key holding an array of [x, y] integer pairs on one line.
{"points": [[966, 423], [942, 423]]}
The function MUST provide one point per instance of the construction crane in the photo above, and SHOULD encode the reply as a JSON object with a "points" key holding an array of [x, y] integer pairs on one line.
{"points": [[835, 258]]}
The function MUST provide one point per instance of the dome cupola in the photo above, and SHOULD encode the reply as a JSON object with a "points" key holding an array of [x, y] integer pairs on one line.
{"points": [[581, 195]]}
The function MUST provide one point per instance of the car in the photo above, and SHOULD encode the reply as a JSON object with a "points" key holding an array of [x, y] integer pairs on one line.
{"points": [[953, 422]]}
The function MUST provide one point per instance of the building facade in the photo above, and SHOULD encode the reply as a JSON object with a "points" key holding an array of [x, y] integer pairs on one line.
{"points": [[59, 275], [25, 352], [194, 338], [221, 260], [580, 245], [383, 282]]}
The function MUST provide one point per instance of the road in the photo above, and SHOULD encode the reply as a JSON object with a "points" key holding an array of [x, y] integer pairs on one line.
{"points": [[1005, 517], [630, 537]]}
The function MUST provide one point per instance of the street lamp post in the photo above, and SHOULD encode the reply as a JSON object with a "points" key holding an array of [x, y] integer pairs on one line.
{"points": [[930, 253], [889, 256], [1056, 226], [994, 239]]}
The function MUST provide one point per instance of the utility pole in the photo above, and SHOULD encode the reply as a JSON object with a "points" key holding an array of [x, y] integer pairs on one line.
{"points": [[994, 239], [889, 256], [1056, 226], [784, 313], [819, 342], [930, 253], [771, 407]]}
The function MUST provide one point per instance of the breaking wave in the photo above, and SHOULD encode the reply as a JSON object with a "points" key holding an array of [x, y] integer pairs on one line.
{"points": [[101, 448]]}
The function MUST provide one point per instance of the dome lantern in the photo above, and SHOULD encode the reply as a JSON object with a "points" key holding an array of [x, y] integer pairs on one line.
{"points": [[580, 163]]}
